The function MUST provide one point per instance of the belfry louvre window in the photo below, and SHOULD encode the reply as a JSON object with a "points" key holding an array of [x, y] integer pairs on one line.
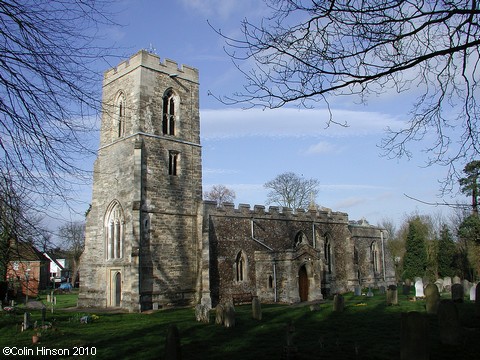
{"points": [[114, 231], [173, 162], [169, 113], [120, 106]]}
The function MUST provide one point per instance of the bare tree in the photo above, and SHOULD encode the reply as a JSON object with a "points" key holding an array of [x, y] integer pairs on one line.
{"points": [[49, 94], [73, 241], [309, 50], [292, 191], [220, 194]]}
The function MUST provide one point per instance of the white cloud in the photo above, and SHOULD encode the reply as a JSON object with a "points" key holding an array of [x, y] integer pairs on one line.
{"points": [[288, 122], [322, 147]]}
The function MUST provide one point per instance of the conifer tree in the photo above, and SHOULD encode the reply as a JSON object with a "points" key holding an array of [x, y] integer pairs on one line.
{"points": [[415, 260], [446, 253]]}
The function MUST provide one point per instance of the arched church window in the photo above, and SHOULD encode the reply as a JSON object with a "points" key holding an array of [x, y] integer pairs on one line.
{"points": [[120, 110], [241, 267], [374, 257], [300, 239], [114, 231], [328, 254], [169, 112]]}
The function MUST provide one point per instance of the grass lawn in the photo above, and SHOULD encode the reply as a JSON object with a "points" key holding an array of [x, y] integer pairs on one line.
{"points": [[367, 329]]}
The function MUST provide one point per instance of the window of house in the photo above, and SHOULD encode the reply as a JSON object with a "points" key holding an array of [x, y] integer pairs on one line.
{"points": [[169, 113], [114, 231], [173, 162], [240, 267]]}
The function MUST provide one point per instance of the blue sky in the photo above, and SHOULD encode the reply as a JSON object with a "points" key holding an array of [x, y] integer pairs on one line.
{"points": [[243, 149]]}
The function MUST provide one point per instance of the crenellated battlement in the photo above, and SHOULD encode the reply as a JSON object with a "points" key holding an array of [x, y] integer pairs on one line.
{"points": [[273, 212], [152, 61]]}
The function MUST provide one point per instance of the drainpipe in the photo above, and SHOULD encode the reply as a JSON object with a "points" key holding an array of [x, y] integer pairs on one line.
{"points": [[383, 254]]}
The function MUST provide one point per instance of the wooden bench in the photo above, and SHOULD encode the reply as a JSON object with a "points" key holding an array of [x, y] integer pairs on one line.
{"points": [[244, 298]]}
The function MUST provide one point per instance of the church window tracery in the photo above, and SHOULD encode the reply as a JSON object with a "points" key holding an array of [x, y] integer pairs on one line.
{"points": [[169, 113], [120, 107], [241, 267], [114, 231]]}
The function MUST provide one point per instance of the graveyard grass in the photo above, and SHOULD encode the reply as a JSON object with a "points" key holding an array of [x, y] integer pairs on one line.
{"points": [[367, 329]]}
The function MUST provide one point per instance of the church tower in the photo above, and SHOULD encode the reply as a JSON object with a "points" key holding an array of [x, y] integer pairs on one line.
{"points": [[143, 234]]}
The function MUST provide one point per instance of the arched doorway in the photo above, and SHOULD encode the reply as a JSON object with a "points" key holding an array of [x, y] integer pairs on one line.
{"points": [[303, 283], [118, 289]]}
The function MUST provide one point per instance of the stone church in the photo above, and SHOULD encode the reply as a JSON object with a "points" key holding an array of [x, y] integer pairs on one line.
{"points": [[152, 242]]}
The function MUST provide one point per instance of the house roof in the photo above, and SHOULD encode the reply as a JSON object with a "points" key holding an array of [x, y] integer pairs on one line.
{"points": [[24, 251]]}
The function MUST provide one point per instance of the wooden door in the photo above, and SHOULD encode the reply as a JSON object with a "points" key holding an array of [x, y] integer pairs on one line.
{"points": [[118, 289], [303, 284]]}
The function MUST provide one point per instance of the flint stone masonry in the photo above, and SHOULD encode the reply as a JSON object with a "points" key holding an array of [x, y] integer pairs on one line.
{"points": [[152, 241]]}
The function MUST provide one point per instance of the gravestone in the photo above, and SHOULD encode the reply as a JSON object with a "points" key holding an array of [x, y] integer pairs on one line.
{"points": [[419, 289], [357, 290], [439, 283], [44, 315], [447, 283], [370, 292], [457, 293], [408, 282], [219, 314], [256, 308], [229, 318], [477, 300], [449, 326], [338, 303], [381, 290], [406, 289], [202, 313], [466, 287], [26, 321], [432, 297], [456, 280], [472, 292], [172, 344], [414, 336], [290, 350], [392, 295]]}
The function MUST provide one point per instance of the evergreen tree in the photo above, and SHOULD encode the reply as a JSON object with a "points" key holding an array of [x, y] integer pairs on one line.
{"points": [[415, 260], [446, 253]]}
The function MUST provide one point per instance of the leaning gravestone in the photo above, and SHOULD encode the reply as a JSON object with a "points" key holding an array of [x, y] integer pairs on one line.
{"points": [[448, 323], [439, 283], [447, 283], [414, 336], [457, 293], [392, 295], [338, 303], [172, 344], [419, 289], [472, 292], [219, 314], [432, 298], [456, 280], [256, 308]]}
